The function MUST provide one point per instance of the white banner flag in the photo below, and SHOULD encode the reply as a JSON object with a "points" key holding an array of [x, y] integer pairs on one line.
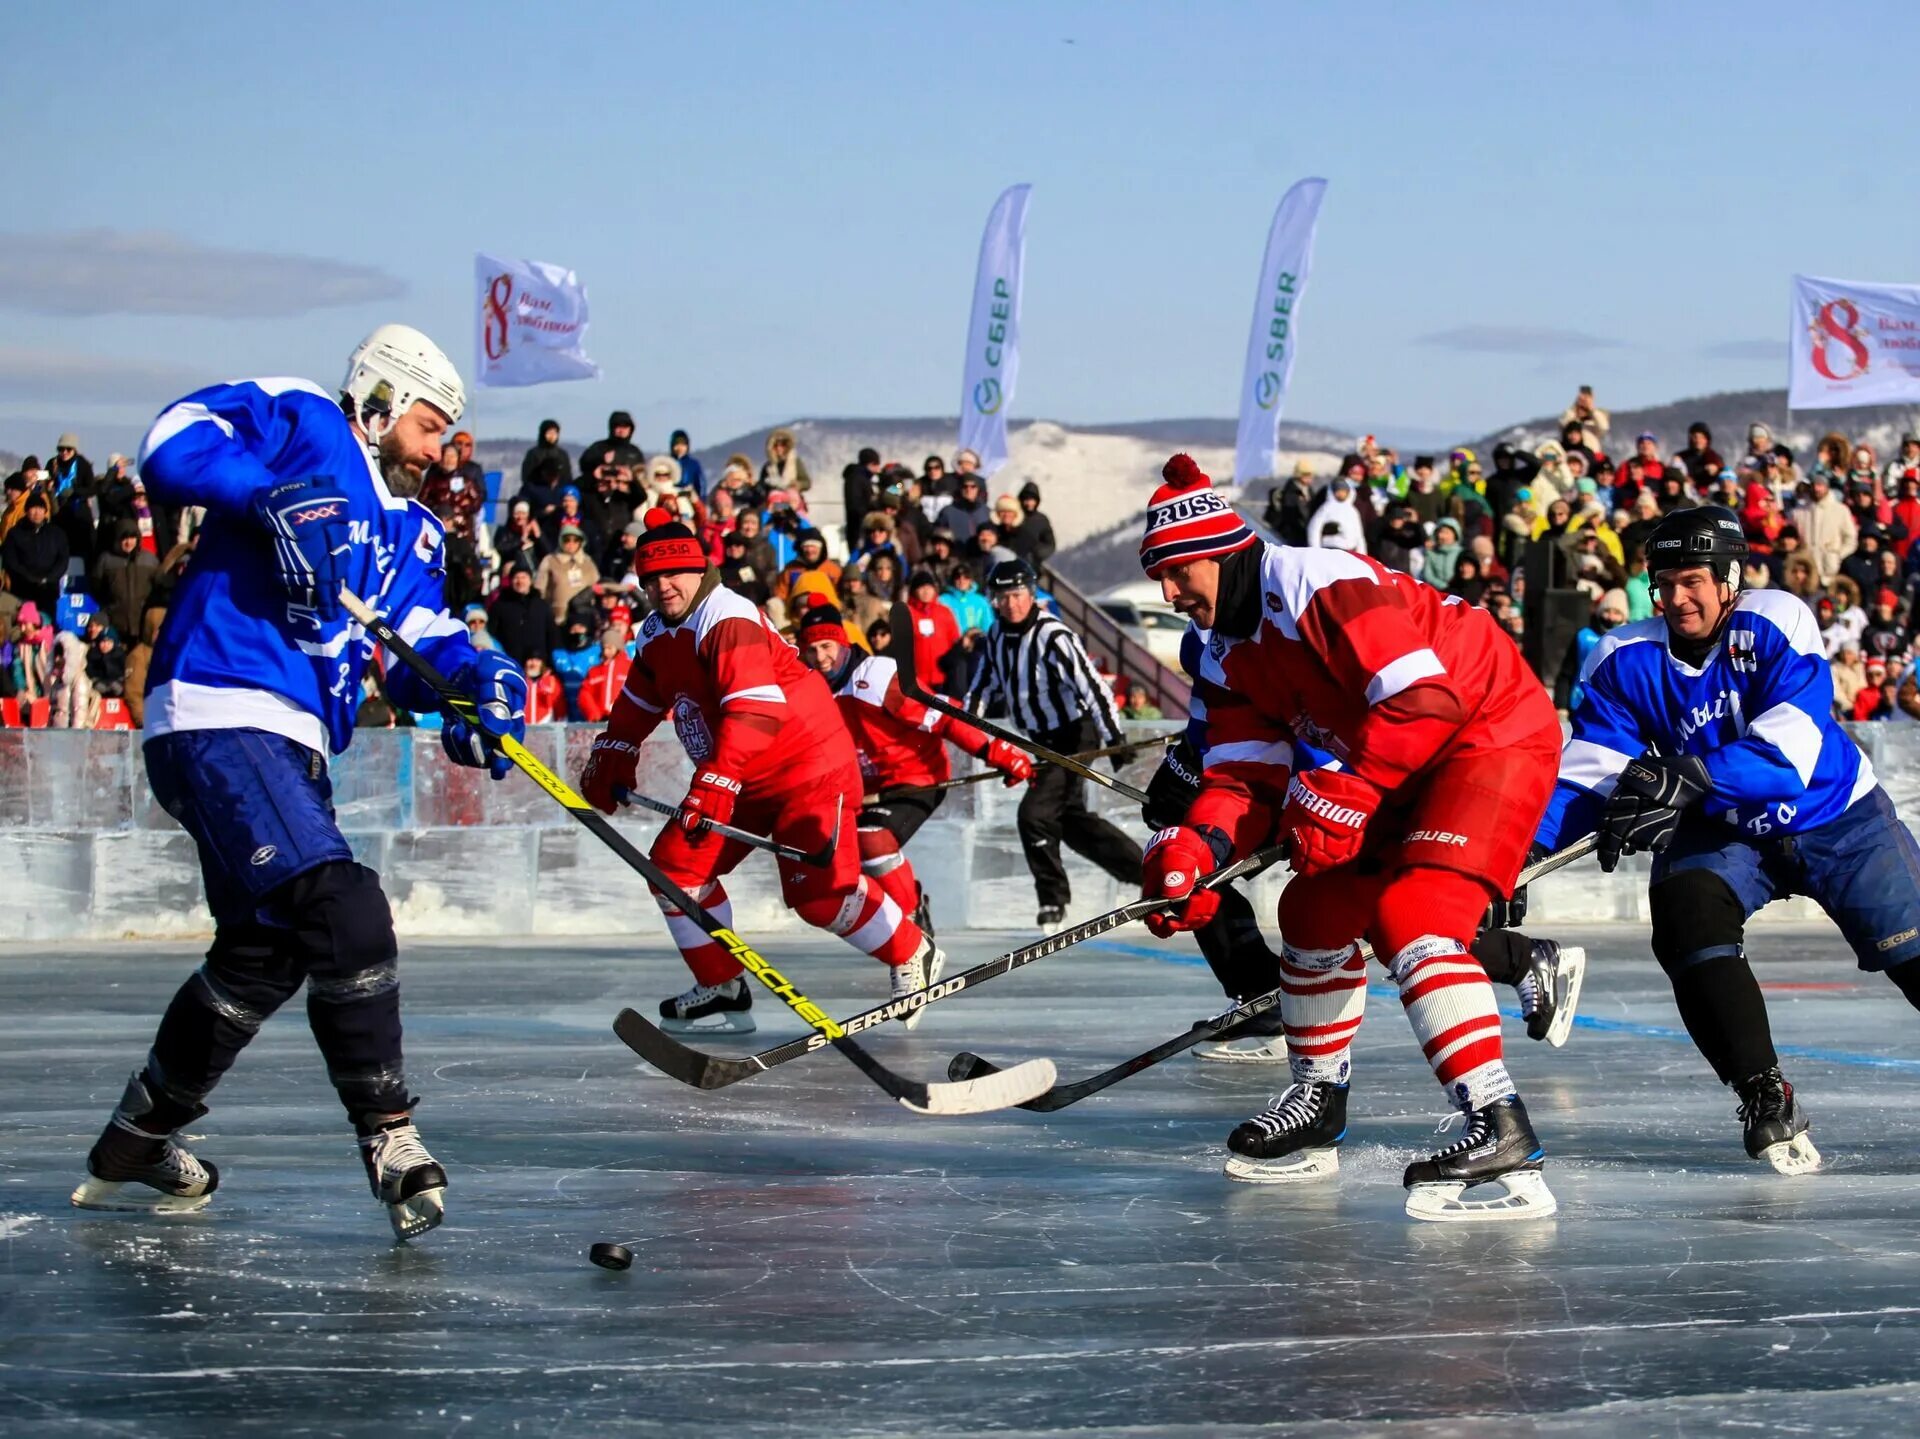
{"points": [[1852, 345], [531, 321], [993, 335], [1275, 334]]}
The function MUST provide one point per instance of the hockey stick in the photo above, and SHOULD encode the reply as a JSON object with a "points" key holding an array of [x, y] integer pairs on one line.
{"points": [[971, 1066], [820, 858], [901, 621], [895, 791], [718, 1071], [678, 1061]]}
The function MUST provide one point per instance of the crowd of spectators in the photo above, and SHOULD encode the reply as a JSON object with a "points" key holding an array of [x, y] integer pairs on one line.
{"points": [[1560, 530], [1550, 540]]}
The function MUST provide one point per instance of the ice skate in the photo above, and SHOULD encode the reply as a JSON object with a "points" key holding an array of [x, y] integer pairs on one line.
{"points": [[1499, 1149], [918, 973], [1293, 1141], [404, 1177], [1260, 1040], [923, 911], [1550, 990], [1051, 916], [133, 1170], [1775, 1126], [710, 1009]]}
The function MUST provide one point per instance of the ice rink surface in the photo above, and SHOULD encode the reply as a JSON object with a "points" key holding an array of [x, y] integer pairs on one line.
{"points": [[814, 1260]]}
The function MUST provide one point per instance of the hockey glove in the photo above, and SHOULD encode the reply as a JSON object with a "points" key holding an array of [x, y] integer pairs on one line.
{"points": [[1326, 818], [612, 766], [710, 800], [1176, 860], [497, 685], [1645, 807], [1511, 913], [1014, 763], [308, 520]]}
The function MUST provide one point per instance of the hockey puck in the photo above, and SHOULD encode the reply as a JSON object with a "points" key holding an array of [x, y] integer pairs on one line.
{"points": [[611, 1256]]}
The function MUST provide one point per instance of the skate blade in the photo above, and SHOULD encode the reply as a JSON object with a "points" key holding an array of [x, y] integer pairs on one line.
{"points": [[1522, 1195], [1573, 973], [731, 1022], [1302, 1167], [1793, 1156], [1244, 1051], [934, 966], [118, 1197], [413, 1217]]}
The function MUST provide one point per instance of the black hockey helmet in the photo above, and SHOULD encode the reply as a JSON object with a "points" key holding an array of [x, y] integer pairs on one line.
{"points": [[1012, 575], [1708, 535]]}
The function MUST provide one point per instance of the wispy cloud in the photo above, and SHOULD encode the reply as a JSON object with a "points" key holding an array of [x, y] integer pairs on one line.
{"points": [[1530, 341], [1773, 350], [39, 374], [122, 272]]}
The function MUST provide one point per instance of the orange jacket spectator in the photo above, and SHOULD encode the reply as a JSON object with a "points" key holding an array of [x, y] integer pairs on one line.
{"points": [[603, 685]]}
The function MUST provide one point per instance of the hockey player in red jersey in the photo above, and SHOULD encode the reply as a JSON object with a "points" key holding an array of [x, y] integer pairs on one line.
{"points": [[769, 754], [902, 747], [1446, 749]]}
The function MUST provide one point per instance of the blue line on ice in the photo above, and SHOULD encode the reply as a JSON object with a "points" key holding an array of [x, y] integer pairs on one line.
{"points": [[1580, 1021]]}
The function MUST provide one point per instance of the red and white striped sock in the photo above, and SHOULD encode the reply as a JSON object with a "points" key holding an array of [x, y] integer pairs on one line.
{"points": [[1450, 1004], [1323, 993], [710, 962], [866, 918], [895, 877]]}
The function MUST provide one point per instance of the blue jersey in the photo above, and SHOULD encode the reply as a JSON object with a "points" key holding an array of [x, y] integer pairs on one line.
{"points": [[1759, 712], [235, 652]]}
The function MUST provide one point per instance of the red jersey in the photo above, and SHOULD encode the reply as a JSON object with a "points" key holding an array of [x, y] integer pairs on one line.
{"points": [[740, 700], [1383, 672], [899, 740]]}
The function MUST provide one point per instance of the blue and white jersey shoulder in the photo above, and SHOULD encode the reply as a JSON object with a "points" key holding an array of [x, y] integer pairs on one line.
{"points": [[1759, 712], [235, 652]]}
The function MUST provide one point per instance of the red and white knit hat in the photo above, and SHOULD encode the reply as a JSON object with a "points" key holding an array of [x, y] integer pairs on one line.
{"points": [[1187, 520]]}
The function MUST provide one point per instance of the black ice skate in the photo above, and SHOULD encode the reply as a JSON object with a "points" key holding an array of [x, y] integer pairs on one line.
{"points": [[1051, 916], [923, 912], [404, 1177], [1260, 1040], [710, 1009], [1550, 990], [1294, 1140], [1499, 1148], [165, 1177], [1775, 1126], [918, 973]]}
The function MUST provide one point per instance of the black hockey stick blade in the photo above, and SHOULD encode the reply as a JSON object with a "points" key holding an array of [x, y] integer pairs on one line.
{"points": [[966, 1065], [962, 1098], [901, 620]]}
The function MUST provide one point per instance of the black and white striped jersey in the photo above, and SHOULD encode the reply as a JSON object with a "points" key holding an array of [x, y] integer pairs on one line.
{"points": [[1043, 676]]}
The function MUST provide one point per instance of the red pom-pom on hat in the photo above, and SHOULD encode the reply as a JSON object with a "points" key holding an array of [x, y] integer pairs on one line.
{"points": [[1181, 473], [656, 517]]}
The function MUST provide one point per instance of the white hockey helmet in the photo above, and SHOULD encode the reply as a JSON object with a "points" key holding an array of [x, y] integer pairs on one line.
{"points": [[393, 367]]}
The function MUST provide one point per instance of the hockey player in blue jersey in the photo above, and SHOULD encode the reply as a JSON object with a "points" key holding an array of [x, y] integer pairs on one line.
{"points": [[1707, 738], [254, 680]]}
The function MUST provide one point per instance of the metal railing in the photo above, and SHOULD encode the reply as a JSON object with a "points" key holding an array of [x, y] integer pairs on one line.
{"points": [[1114, 650]]}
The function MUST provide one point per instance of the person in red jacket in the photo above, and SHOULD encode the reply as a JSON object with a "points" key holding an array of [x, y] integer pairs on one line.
{"points": [[769, 753], [902, 747], [605, 680], [936, 632], [547, 697], [1445, 751]]}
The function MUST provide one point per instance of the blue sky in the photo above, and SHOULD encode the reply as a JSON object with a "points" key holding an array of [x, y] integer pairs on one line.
{"points": [[776, 208]]}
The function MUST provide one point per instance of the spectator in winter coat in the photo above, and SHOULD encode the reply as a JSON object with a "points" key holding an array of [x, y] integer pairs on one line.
{"points": [[449, 488], [1400, 541], [76, 705], [969, 606], [475, 617], [123, 577], [1513, 469], [883, 577], [1290, 506], [693, 475], [936, 632], [1443, 553], [1039, 529], [608, 678], [107, 665], [547, 700], [785, 470], [1884, 636], [520, 540], [1826, 526], [1702, 461], [760, 552], [988, 549], [34, 555], [1906, 512], [860, 491], [966, 512], [564, 576], [1336, 524], [139, 660], [576, 655], [542, 452], [1468, 586], [876, 536], [810, 557], [1849, 678], [1585, 413], [522, 622], [542, 493], [617, 456], [857, 602], [738, 573], [1871, 702], [573, 512]]}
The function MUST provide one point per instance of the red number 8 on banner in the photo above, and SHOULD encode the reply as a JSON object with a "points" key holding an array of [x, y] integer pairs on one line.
{"points": [[494, 326]]}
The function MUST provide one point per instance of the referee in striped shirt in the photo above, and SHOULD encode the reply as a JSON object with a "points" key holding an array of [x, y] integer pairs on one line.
{"points": [[1039, 670]]}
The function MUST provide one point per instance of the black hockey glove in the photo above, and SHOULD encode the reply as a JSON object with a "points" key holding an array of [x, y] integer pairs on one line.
{"points": [[1173, 788], [1645, 807], [1511, 913]]}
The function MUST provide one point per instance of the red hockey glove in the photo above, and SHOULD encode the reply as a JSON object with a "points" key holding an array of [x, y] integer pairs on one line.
{"points": [[1014, 763], [611, 765], [1326, 818], [710, 800], [1176, 860]]}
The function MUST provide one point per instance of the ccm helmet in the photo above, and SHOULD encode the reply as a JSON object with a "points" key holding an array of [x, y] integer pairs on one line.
{"points": [[1707, 535], [389, 370]]}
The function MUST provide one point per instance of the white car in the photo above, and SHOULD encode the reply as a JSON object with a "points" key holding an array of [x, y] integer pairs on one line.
{"points": [[1139, 608]]}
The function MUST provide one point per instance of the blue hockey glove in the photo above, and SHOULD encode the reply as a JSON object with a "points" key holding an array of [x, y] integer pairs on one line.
{"points": [[497, 685], [311, 538]]}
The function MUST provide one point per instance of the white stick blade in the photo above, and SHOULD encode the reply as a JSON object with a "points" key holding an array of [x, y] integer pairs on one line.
{"points": [[1002, 1090]]}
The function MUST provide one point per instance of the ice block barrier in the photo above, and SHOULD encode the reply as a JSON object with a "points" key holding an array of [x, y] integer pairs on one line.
{"points": [[87, 854]]}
